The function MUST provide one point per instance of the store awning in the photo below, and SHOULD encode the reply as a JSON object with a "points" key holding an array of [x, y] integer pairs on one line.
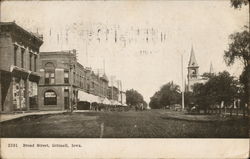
{"points": [[83, 96], [114, 102], [106, 101]]}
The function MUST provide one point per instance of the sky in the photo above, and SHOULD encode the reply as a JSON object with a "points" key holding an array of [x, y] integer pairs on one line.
{"points": [[139, 42]]}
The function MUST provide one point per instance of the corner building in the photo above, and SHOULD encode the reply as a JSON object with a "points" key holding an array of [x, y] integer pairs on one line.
{"points": [[60, 75], [19, 77], [62, 78]]}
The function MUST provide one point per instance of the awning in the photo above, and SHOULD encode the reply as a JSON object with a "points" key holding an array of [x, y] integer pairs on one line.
{"points": [[83, 96], [106, 101], [21, 72], [114, 102]]}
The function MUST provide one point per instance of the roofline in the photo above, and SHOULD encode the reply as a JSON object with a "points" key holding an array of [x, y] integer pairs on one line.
{"points": [[19, 27]]}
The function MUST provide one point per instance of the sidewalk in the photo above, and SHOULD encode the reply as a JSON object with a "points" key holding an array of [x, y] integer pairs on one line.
{"points": [[197, 117], [5, 117]]}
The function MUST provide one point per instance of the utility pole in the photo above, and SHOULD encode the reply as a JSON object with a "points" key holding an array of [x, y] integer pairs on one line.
{"points": [[103, 85], [71, 61], [183, 89], [71, 81]]}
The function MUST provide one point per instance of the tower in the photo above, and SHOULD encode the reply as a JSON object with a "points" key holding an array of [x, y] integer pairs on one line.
{"points": [[193, 70]]}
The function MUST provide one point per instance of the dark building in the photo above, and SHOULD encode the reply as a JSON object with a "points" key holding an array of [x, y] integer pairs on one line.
{"points": [[19, 55], [62, 77], [113, 93]]}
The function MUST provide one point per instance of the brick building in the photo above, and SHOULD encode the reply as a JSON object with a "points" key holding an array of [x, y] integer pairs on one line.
{"points": [[62, 78], [30, 80], [19, 55]]}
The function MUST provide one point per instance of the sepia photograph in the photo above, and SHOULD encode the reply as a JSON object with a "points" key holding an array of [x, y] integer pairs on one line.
{"points": [[123, 70]]}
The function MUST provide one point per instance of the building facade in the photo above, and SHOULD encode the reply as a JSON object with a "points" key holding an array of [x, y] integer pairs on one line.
{"points": [[123, 98], [19, 77], [30, 80], [62, 77], [113, 93]]}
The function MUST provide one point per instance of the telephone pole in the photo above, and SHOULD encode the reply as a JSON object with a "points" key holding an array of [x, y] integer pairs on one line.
{"points": [[182, 81]]}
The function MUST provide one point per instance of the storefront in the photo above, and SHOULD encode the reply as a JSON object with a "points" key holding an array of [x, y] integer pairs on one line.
{"points": [[24, 90]]}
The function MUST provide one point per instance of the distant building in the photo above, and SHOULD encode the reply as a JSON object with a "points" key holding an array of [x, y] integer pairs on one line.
{"points": [[19, 77], [123, 98], [193, 72], [113, 93]]}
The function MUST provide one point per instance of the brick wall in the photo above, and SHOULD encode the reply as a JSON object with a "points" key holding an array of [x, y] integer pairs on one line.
{"points": [[6, 51]]}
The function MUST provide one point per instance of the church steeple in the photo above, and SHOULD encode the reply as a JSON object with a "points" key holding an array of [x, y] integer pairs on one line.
{"points": [[193, 70], [192, 60]]}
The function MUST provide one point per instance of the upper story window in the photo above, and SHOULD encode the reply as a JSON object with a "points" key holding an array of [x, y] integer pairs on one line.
{"points": [[66, 76], [30, 61], [22, 57], [15, 55], [35, 62], [49, 73], [88, 88], [74, 76]]}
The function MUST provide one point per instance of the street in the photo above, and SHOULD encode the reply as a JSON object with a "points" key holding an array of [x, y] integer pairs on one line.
{"points": [[131, 124]]}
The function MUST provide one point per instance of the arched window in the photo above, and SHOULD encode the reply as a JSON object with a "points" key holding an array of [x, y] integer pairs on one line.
{"points": [[50, 98], [49, 73]]}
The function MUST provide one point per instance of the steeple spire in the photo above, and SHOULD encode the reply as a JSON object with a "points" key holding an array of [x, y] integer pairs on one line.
{"points": [[192, 60], [211, 70]]}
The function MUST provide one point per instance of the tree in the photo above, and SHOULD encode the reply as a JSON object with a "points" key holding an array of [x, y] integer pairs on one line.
{"points": [[154, 101], [239, 49], [169, 94], [238, 3], [218, 88], [134, 98]]}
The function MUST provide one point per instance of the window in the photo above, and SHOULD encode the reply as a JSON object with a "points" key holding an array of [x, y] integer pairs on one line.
{"points": [[15, 55], [30, 61], [66, 99], [50, 98], [49, 77], [88, 88], [35, 60], [74, 76], [66, 76], [52, 78], [22, 58], [49, 73]]}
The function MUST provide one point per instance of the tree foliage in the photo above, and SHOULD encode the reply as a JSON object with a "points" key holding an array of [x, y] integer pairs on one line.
{"points": [[221, 87], [238, 3], [168, 94], [239, 49], [134, 98]]}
